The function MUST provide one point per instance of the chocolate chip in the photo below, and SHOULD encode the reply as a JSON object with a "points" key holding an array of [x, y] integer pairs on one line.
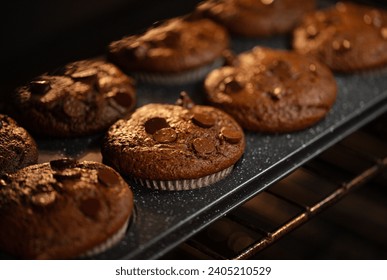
{"points": [[203, 145], [108, 177], [64, 163], [231, 85], [276, 93], [172, 37], [74, 108], [123, 99], [90, 207], [231, 135], [154, 124], [83, 74], [43, 199], [165, 135], [185, 101], [40, 86], [67, 174], [203, 120]]}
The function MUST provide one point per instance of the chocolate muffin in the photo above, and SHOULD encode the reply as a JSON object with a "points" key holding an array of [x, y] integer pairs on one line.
{"points": [[273, 90], [82, 98], [63, 209], [347, 37], [177, 51], [17, 148], [256, 18], [175, 147]]}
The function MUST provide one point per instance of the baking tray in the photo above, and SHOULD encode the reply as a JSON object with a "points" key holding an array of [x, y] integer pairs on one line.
{"points": [[162, 220]]}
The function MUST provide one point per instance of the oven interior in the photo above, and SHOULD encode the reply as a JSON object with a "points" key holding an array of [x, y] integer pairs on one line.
{"points": [[339, 177]]}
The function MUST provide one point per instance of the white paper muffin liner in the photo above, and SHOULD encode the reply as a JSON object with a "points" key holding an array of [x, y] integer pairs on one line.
{"points": [[170, 79], [186, 184], [110, 242]]}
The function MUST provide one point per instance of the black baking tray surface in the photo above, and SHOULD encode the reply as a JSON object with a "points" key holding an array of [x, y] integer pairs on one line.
{"points": [[162, 220]]}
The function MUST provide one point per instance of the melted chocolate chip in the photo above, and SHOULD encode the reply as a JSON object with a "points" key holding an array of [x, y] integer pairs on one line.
{"points": [[40, 87], [165, 135], [68, 174], [43, 200], [276, 93], [74, 108], [155, 124], [203, 145], [123, 99], [88, 73], [231, 135], [231, 86], [64, 163], [90, 207], [203, 120], [108, 178], [185, 101]]}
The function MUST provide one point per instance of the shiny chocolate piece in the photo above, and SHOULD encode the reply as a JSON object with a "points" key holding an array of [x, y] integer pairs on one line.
{"points": [[231, 135], [108, 178], [90, 207], [155, 124], [67, 174], [64, 163], [43, 199], [123, 99], [203, 145], [165, 135], [39, 87], [203, 120]]}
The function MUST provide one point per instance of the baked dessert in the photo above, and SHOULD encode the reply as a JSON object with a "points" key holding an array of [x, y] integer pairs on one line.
{"points": [[256, 18], [82, 98], [177, 51], [174, 147], [17, 148], [347, 37], [273, 90], [63, 209]]}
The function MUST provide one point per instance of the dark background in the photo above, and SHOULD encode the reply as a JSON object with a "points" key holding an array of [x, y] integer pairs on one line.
{"points": [[38, 36]]}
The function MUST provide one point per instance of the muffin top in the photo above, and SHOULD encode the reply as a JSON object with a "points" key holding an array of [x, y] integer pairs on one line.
{"points": [[254, 18], [61, 209], [347, 37], [173, 142], [273, 90], [175, 45], [17, 148], [82, 98]]}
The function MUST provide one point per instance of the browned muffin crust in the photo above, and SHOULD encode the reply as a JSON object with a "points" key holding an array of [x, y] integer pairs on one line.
{"points": [[17, 148], [61, 209], [171, 142], [347, 37], [273, 90], [83, 98], [176, 45], [254, 18]]}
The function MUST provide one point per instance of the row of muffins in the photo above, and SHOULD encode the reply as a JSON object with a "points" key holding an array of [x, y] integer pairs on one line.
{"points": [[186, 138]]}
